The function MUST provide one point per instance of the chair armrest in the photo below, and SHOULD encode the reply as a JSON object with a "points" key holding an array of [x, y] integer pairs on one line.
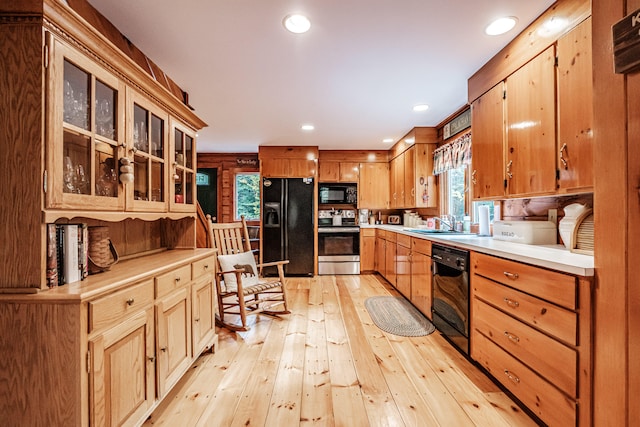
{"points": [[271, 264]]}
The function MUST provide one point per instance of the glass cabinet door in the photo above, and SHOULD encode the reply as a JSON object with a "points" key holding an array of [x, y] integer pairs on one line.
{"points": [[183, 191], [148, 141], [84, 108]]}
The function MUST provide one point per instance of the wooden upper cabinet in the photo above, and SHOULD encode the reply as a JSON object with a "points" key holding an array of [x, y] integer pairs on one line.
{"points": [[373, 186], [328, 171], [288, 162], [396, 182], [331, 171], [182, 191], [409, 184], [575, 110], [531, 136], [85, 110], [488, 124]]}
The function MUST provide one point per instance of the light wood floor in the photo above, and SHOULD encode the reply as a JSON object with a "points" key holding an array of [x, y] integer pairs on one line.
{"points": [[327, 364]]}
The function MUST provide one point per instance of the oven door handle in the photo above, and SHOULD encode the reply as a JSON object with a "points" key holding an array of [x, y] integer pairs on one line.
{"points": [[438, 257]]}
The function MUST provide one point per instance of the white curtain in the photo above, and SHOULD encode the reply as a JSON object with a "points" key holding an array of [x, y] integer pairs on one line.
{"points": [[453, 154]]}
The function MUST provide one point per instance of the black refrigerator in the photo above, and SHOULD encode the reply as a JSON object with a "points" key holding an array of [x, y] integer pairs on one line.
{"points": [[287, 215]]}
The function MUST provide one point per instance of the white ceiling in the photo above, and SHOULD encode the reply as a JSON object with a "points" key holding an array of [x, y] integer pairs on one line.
{"points": [[355, 75]]}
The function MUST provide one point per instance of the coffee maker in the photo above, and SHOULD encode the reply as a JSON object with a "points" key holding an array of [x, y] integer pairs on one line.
{"points": [[363, 216]]}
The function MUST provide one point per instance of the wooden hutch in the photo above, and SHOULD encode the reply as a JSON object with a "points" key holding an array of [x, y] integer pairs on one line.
{"points": [[77, 102]]}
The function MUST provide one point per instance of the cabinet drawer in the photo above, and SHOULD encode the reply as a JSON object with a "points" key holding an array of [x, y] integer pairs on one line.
{"points": [[422, 246], [557, 362], [403, 240], [111, 308], [549, 285], [547, 402], [556, 321], [202, 267], [390, 236], [367, 232], [172, 280]]}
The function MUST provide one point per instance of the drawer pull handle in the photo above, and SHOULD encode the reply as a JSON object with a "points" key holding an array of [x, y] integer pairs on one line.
{"points": [[512, 377], [512, 276], [130, 301], [206, 266], [163, 349], [512, 337], [177, 279], [196, 319], [512, 303], [152, 359]]}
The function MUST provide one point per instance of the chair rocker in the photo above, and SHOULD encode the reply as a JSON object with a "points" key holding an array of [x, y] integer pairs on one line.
{"points": [[241, 288]]}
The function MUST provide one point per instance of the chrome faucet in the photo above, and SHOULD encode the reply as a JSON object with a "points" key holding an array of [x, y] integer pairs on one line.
{"points": [[448, 221]]}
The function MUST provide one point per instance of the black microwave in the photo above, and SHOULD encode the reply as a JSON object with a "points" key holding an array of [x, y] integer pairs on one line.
{"points": [[340, 194]]}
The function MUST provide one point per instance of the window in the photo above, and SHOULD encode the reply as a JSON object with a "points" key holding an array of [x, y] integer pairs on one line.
{"points": [[247, 196], [456, 192]]}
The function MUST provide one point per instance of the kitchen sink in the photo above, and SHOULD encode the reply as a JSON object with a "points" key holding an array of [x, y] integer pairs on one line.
{"points": [[436, 232]]}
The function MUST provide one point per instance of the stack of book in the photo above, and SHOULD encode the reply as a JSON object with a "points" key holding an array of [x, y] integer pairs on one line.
{"points": [[67, 253]]}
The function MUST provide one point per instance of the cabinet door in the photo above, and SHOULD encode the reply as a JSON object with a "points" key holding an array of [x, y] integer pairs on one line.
{"points": [[403, 270], [182, 192], [424, 182], [396, 168], [349, 172], [148, 132], [173, 317], [203, 308], [122, 380], [531, 136], [302, 168], [390, 262], [373, 186], [575, 113], [85, 112], [328, 171], [381, 251], [488, 124], [409, 174], [367, 250], [421, 282]]}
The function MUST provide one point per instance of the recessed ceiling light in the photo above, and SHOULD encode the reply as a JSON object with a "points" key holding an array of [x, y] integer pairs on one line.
{"points": [[307, 127], [420, 107], [296, 23], [387, 140], [501, 25]]}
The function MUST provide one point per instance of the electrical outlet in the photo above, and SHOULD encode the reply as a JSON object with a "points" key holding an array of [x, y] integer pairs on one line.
{"points": [[553, 215]]}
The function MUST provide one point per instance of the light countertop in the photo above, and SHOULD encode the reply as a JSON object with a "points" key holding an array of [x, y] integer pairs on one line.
{"points": [[555, 257]]}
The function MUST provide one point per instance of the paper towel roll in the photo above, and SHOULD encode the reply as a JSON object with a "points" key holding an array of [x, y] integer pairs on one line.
{"points": [[483, 220]]}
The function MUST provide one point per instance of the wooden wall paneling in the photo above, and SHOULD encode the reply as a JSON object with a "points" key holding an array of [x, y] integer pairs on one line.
{"points": [[21, 137], [43, 376], [614, 264], [525, 45], [537, 208], [358, 156], [633, 249]]}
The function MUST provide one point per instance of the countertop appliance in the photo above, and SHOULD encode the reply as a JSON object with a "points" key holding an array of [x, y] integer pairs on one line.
{"points": [[338, 245], [287, 215], [450, 306]]}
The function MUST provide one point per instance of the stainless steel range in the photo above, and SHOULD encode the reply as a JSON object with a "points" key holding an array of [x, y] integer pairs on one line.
{"points": [[338, 242]]}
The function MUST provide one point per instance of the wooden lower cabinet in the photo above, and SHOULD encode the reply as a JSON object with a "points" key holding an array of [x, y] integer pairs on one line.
{"points": [[122, 378], [403, 265], [173, 337], [421, 275], [204, 306], [367, 249], [531, 329], [105, 351], [390, 258]]}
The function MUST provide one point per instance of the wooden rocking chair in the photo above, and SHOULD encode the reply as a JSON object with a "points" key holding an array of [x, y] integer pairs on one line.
{"points": [[242, 290]]}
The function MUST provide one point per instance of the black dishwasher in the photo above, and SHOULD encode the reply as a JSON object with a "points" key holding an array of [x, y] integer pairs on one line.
{"points": [[450, 286]]}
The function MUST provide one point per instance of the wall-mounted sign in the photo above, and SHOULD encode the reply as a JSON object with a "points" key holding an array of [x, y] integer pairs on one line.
{"points": [[459, 123], [246, 162], [202, 178], [626, 43]]}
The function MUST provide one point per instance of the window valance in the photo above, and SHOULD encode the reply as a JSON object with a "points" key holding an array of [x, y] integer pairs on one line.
{"points": [[452, 155]]}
